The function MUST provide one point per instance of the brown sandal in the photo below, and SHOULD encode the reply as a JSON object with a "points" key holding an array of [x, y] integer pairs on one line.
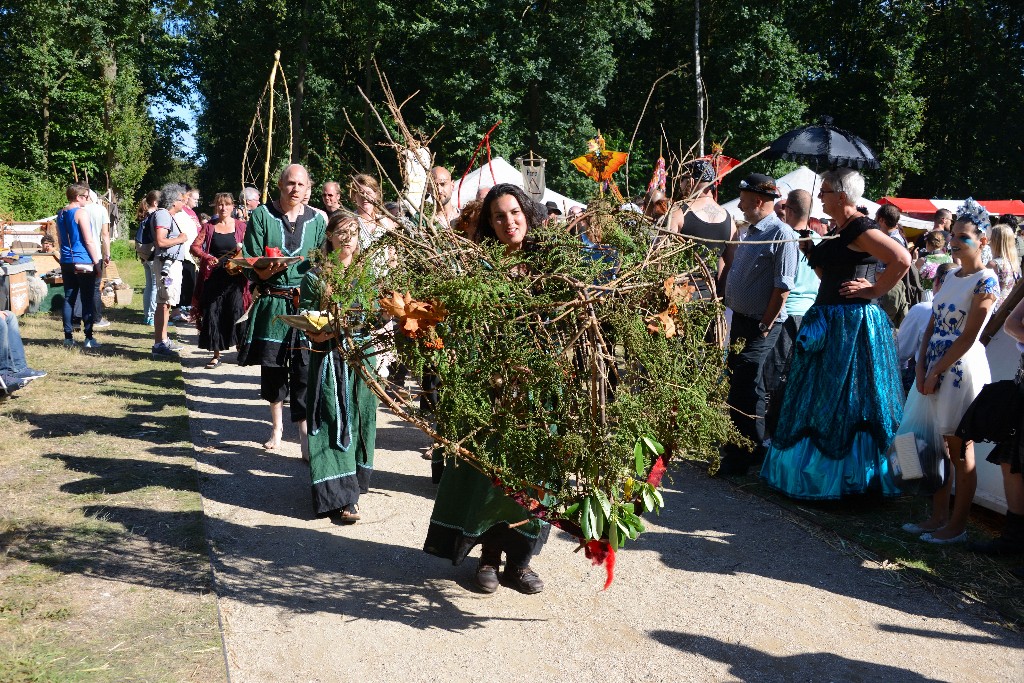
{"points": [[345, 517]]}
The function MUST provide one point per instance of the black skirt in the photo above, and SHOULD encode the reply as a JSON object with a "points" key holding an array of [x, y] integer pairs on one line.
{"points": [[222, 305]]}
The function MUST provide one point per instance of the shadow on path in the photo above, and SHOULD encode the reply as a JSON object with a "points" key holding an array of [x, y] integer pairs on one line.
{"points": [[748, 664], [699, 538]]}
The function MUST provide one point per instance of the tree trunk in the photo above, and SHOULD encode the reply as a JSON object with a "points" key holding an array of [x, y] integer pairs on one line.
{"points": [[534, 116], [109, 111], [45, 134], [367, 115], [697, 78], [302, 57]]}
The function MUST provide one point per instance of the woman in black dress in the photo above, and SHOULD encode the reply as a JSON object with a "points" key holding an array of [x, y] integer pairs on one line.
{"points": [[220, 297]]}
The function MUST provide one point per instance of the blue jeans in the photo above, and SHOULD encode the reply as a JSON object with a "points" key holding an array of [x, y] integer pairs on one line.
{"points": [[78, 286], [12, 351], [149, 293]]}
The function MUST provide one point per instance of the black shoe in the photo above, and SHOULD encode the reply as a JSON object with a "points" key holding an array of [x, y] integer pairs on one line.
{"points": [[523, 579], [999, 546], [733, 466], [486, 577]]}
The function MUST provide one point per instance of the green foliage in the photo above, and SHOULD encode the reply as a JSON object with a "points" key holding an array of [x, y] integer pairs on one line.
{"points": [[553, 368], [26, 196], [74, 88], [121, 250]]}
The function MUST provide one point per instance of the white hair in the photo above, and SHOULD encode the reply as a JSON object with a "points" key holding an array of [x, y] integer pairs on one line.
{"points": [[847, 181]]}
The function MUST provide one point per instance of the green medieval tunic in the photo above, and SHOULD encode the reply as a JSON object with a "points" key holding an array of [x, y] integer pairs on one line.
{"points": [[268, 341], [342, 414]]}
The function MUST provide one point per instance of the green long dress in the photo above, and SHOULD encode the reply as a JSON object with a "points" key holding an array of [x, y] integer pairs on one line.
{"points": [[342, 414]]}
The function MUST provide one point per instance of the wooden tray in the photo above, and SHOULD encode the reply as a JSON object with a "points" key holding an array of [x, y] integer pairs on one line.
{"points": [[261, 262]]}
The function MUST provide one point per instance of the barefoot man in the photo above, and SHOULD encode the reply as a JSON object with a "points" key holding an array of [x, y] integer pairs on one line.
{"points": [[282, 353]]}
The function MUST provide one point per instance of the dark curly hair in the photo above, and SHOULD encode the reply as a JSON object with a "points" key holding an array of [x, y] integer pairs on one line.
{"points": [[534, 218]]}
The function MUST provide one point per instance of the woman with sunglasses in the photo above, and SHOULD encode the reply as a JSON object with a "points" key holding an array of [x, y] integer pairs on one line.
{"points": [[843, 401]]}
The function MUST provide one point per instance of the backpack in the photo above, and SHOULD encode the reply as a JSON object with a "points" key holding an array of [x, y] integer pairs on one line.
{"points": [[144, 244], [912, 281]]}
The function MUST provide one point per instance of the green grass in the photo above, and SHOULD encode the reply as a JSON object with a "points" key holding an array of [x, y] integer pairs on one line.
{"points": [[104, 569]]}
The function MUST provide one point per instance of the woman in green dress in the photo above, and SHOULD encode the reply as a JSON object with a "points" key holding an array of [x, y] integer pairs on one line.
{"points": [[469, 509], [341, 409]]}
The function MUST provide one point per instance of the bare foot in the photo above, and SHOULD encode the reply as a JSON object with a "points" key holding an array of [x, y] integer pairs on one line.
{"points": [[274, 441]]}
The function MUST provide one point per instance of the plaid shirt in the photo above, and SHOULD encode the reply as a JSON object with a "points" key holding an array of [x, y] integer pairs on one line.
{"points": [[757, 269]]}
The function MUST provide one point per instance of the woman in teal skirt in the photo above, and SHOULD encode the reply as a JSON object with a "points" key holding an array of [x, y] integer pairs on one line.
{"points": [[844, 398], [341, 408]]}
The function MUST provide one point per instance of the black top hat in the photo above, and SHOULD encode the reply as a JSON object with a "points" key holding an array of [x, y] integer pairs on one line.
{"points": [[761, 184], [552, 207]]}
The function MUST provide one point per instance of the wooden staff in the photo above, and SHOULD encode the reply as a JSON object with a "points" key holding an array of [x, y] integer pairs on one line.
{"points": [[270, 125]]}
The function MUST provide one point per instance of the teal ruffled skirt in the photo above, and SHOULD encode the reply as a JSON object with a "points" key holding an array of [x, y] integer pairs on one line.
{"points": [[842, 407]]}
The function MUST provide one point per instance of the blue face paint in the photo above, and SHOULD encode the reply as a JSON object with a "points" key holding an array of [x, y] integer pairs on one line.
{"points": [[967, 241]]}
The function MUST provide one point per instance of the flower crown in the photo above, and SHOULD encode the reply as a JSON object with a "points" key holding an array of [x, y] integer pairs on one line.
{"points": [[973, 212]]}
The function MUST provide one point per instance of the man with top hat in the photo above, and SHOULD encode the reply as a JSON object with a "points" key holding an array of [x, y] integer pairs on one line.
{"points": [[763, 271]]}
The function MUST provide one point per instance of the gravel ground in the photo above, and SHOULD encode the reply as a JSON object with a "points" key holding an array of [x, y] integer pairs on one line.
{"points": [[722, 587]]}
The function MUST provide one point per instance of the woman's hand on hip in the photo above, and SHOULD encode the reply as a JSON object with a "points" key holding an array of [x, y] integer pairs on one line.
{"points": [[857, 289]]}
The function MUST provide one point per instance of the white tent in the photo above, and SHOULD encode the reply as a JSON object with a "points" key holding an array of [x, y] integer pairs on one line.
{"points": [[804, 178], [500, 171]]}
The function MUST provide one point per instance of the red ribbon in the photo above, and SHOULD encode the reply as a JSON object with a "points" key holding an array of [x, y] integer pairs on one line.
{"points": [[486, 140], [601, 552]]}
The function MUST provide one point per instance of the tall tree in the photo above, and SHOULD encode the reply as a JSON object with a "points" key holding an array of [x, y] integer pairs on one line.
{"points": [[75, 92]]}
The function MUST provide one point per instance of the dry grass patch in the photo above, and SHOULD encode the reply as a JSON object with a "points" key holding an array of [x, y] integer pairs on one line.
{"points": [[104, 570]]}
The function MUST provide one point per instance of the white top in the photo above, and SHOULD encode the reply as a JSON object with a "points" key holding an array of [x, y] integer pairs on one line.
{"points": [[912, 329], [98, 217], [190, 228]]}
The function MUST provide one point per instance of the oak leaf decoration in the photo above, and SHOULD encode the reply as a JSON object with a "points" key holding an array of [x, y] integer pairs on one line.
{"points": [[662, 322], [415, 318]]}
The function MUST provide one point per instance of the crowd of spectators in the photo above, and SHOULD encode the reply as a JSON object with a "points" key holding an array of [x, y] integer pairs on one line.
{"points": [[843, 333]]}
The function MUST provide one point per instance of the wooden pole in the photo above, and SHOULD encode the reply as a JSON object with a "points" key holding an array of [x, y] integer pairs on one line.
{"points": [[696, 71], [270, 125]]}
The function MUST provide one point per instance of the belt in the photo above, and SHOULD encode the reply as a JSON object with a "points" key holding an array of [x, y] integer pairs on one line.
{"points": [[290, 294]]}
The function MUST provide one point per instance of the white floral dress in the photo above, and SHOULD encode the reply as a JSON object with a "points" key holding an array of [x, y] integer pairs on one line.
{"points": [[939, 414]]}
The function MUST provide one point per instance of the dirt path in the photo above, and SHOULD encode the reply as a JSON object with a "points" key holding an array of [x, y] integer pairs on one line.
{"points": [[722, 587]]}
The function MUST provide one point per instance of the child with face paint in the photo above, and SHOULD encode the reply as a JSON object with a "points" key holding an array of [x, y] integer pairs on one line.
{"points": [[951, 371]]}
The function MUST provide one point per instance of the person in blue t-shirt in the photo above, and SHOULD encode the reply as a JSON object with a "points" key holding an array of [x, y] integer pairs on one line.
{"points": [[79, 259]]}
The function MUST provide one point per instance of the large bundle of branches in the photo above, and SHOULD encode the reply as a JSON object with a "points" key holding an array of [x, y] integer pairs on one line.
{"points": [[563, 369], [568, 374]]}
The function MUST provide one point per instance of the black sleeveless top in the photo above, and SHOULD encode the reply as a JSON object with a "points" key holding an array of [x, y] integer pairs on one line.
{"points": [[695, 226], [838, 263]]}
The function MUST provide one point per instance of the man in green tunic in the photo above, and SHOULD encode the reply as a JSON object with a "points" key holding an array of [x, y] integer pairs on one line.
{"points": [[282, 352]]}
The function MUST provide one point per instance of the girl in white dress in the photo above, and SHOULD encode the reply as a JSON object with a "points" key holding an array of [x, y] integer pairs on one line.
{"points": [[952, 371]]}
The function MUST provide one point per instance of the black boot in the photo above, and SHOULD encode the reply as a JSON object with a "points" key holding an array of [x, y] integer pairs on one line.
{"points": [[487, 571], [1010, 542], [517, 574], [523, 579]]}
